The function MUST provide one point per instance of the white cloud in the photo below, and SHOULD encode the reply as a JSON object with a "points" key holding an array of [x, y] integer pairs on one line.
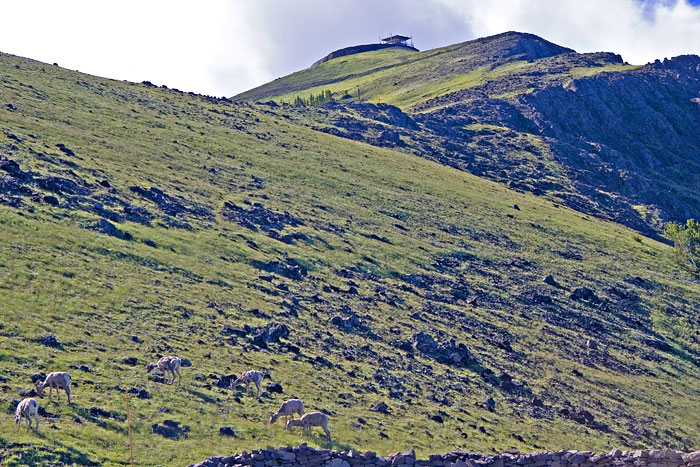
{"points": [[224, 47], [639, 31]]}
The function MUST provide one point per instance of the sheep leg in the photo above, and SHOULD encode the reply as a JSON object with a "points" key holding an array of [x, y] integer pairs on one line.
{"points": [[68, 394], [247, 388], [258, 386], [36, 418], [179, 376], [328, 433]]}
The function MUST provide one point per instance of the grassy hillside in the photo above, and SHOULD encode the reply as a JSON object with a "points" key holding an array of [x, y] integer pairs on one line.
{"points": [[406, 79], [234, 215]]}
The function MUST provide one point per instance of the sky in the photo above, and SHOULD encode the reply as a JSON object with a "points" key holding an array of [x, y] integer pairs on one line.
{"points": [[222, 48]]}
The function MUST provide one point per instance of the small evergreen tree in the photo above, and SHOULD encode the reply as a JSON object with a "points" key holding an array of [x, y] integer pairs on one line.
{"points": [[315, 100], [686, 243]]}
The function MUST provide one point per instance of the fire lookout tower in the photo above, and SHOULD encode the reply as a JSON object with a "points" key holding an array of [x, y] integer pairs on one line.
{"points": [[396, 39]]}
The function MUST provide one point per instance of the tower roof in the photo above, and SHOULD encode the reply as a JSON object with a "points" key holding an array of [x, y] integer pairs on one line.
{"points": [[395, 37]]}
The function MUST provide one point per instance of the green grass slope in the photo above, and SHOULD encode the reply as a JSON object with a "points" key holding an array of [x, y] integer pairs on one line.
{"points": [[237, 216], [407, 79]]}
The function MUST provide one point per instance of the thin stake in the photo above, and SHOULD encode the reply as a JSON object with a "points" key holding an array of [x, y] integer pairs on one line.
{"points": [[128, 422]]}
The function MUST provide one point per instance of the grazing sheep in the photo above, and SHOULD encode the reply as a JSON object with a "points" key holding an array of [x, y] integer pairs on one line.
{"points": [[28, 408], [312, 419], [56, 380], [248, 377], [288, 409], [170, 364]]}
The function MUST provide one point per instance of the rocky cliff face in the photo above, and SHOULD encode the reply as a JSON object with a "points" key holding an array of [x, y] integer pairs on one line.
{"points": [[632, 136]]}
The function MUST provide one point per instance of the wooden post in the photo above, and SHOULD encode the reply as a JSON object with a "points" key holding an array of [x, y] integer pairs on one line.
{"points": [[128, 422]]}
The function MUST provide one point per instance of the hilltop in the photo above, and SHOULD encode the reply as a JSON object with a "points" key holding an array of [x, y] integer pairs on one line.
{"points": [[586, 130], [419, 304]]}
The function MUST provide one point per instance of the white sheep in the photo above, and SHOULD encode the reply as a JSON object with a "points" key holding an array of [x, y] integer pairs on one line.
{"points": [[248, 377], [170, 364], [288, 409], [312, 419], [57, 380], [28, 408]]}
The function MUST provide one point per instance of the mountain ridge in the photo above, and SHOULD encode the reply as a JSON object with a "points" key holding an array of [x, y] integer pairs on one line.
{"points": [[623, 137]]}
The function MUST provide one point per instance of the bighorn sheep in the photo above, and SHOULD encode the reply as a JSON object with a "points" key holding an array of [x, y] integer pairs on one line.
{"points": [[312, 419], [28, 408], [57, 380], [170, 364], [248, 377], [288, 409]]}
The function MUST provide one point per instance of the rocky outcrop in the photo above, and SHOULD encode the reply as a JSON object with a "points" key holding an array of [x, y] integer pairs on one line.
{"points": [[357, 49], [309, 457]]}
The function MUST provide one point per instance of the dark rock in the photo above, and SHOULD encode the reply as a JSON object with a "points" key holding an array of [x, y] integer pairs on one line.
{"points": [[106, 227], [490, 404], [380, 407], [258, 217], [658, 344], [52, 200], [46, 414], [225, 381], [38, 377], [275, 388], [227, 431], [550, 280], [171, 205], [349, 324], [270, 333], [583, 293], [290, 268], [61, 185], [448, 352], [50, 341], [131, 361], [436, 418], [170, 429], [99, 412], [65, 150], [143, 394], [184, 362]]}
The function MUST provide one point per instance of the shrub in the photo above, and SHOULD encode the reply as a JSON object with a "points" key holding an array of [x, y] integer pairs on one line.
{"points": [[686, 243]]}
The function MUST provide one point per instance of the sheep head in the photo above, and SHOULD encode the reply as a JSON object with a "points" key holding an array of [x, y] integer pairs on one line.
{"points": [[292, 423]]}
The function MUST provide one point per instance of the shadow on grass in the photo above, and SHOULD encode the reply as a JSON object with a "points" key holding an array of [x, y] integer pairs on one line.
{"points": [[201, 395], [325, 444], [107, 425], [29, 454]]}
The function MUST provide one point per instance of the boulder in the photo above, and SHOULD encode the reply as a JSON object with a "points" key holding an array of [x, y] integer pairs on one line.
{"points": [[275, 388], [51, 341], [170, 429], [381, 407]]}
